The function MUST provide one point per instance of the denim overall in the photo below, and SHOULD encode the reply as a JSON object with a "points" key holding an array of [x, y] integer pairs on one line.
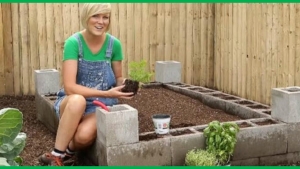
{"points": [[93, 74]]}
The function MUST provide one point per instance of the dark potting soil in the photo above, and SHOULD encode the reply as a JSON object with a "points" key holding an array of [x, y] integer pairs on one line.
{"points": [[184, 110], [131, 86]]}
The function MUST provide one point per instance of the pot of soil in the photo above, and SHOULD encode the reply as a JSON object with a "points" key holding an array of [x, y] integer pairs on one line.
{"points": [[161, 123], [130, 86]]}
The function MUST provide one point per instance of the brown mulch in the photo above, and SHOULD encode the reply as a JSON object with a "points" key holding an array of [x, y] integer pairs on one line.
{"points": [[184, 110], [39, 138]]}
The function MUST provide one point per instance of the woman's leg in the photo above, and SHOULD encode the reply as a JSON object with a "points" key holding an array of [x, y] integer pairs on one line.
{"points": [[71, 111], [85, 134]]}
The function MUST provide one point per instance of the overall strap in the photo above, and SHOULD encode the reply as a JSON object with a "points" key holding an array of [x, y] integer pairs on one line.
{"points": [[110, 47], [76, 35]]}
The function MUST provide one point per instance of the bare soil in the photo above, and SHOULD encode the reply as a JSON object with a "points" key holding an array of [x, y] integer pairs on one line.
{"points": [[184, 110]]}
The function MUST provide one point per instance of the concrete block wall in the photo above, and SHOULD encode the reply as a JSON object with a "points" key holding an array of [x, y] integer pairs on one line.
{"points": [[220, 100], [261, 141], [257, 145], [293, 133], [150, 153], [180, 145], [46, 113], [118, 138]]}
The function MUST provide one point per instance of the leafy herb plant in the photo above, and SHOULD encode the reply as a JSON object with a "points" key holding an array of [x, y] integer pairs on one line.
{"points": [[221, 140], [138, 72], [12, 141]]}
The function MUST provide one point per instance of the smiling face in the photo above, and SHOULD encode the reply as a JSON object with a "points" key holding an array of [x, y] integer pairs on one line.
{"points": [[98, 24], [95, 17]]}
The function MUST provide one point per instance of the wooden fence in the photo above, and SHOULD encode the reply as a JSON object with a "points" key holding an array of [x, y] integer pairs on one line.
{"points": [[242, 49], [257, 48]]}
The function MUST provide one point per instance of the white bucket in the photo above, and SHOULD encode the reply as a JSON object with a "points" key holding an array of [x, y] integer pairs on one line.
{"points": [[161, 123]]}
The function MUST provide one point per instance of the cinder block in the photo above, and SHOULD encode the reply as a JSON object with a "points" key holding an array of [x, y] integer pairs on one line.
{"points": [[46, 113], [46, 81], [293, 137], [261, 141], [149, 153], [285, 104], [247, 162], [180, 145], [118, 126], [289, 158], [243, 111], [167, 71]]}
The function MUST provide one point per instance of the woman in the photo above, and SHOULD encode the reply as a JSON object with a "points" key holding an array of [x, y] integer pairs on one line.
{"points": [[92, 70]]}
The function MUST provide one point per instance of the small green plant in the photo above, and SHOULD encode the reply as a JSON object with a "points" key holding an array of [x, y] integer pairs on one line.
{"points": [[12, 141], [138, 72], [221, 140], [198, 157]]}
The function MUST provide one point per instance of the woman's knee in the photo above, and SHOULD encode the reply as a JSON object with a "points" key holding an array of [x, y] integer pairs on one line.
{"points": [[75, 104]]}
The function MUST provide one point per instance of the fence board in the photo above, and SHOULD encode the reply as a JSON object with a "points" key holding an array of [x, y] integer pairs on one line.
{"points": [[268, 64], [153, 36], [196, 44], [42, 34], [123, 37], [297, 47], [292, 45], [16, 50], [2, 73], [168, 32], [160, 31], [175, 28], [145, 36], [217, 48], [285, 43], [182, 39], [203, 44], [244, 44], [138, 31], [50, 35], [274, 46], [210, 45], [235, 49], [25, 49], [189, 43], [8, 55], [130, 35], [33, 40], [58, 37]]}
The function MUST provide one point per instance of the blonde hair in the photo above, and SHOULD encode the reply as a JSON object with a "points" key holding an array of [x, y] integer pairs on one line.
{"points": [[90, 9]]}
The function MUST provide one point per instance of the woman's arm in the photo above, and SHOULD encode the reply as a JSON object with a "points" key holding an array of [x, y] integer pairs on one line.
{"points": [[117, 68]]}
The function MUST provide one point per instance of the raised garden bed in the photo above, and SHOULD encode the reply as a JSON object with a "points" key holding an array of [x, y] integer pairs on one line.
{"points": [[185, 111]]}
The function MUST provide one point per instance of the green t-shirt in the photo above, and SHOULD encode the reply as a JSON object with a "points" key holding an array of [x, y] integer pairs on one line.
{"points": [[71, 50]]}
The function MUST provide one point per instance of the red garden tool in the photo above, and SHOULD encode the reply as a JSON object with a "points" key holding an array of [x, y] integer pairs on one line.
{"points": [[98, 103]]}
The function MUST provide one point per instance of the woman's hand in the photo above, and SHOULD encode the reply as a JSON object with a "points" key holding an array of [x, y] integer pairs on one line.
{"points": [[120, 81], [116, 93]]}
